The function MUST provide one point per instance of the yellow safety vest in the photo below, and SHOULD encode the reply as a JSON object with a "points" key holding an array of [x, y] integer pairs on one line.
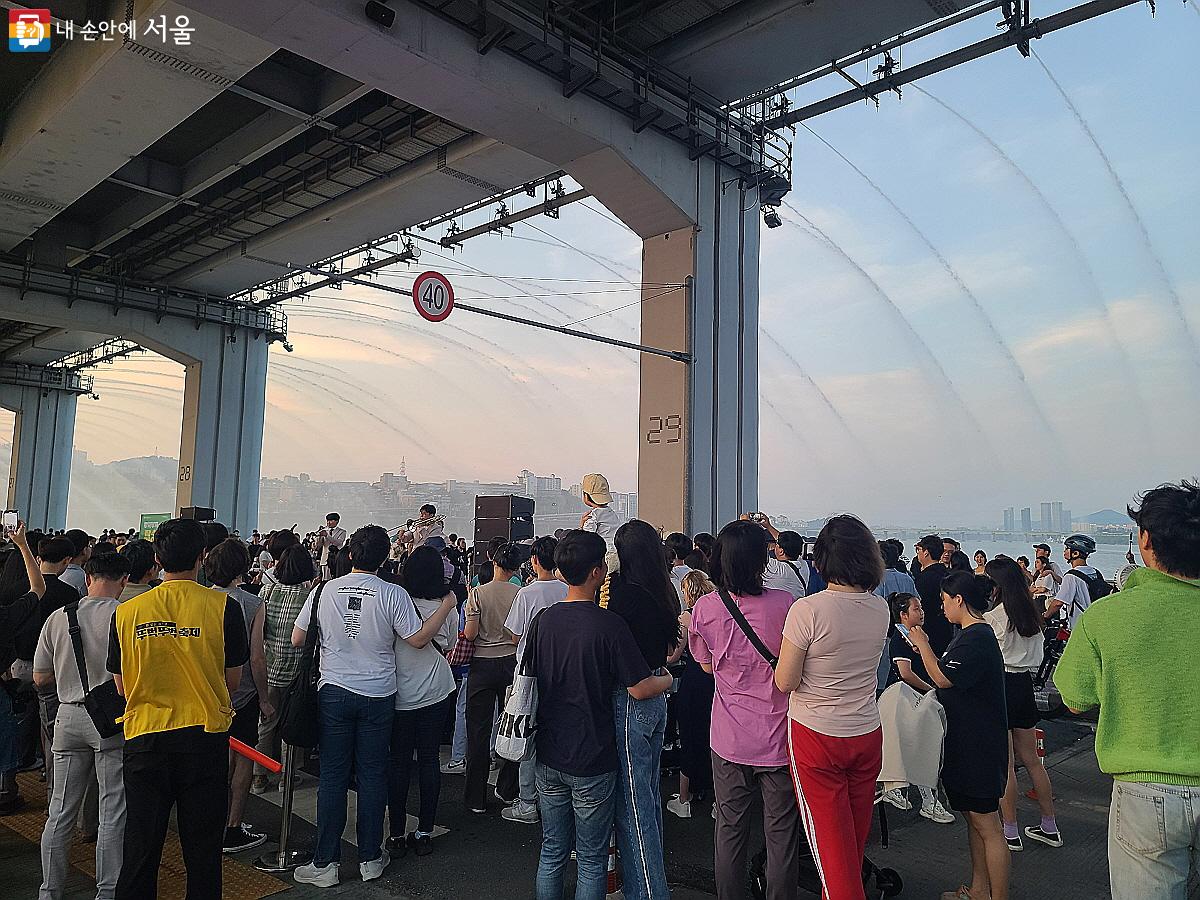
{"points": [[172, 641]]}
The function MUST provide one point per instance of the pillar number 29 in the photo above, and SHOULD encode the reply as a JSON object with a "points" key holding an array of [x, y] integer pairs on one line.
{"points": [[664, 430]]}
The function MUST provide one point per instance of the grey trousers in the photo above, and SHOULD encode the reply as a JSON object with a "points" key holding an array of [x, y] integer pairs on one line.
{"points": [[734, 789], [80, 757]]}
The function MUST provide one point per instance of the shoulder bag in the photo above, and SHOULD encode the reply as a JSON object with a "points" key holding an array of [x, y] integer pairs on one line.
{"points": [[299, 719], [518, 723], [763, 651], [104, 705]]}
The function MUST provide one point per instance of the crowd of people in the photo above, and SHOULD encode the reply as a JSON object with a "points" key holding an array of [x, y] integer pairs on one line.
{"points": [[809, 680]]}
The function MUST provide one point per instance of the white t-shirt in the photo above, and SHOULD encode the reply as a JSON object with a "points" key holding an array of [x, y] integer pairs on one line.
{"points": [[359, 616], [781, 576], [1074, 596], [605, 521], [531, 600], [1021, 654], [677, 573], [423, 677]]}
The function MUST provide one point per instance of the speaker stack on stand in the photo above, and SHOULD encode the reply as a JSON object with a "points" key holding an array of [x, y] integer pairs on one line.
{"points": [[507, 516]]}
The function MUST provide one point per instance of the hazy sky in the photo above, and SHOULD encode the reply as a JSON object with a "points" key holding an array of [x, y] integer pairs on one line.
{"points": [[1046, 348]]}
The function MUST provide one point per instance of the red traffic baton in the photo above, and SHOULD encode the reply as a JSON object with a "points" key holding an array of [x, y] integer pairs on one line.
{"points": [[271, 765]]}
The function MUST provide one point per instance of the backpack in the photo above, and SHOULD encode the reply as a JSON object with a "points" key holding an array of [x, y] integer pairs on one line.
{"points": [[1096, 585]]}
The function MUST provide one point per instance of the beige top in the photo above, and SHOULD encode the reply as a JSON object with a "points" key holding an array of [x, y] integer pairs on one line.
{"points": [[841, 634], [490, 604]]}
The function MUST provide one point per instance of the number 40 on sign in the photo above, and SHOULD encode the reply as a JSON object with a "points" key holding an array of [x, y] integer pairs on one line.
{"points": [[433, 296]]}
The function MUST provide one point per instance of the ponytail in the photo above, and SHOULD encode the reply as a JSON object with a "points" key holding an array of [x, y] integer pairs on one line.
{"points": [[976, 590]]}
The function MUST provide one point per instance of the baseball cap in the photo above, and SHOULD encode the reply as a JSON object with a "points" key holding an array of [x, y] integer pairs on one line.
{"points": [[596, 487], [1045, 547], [436, 541]]}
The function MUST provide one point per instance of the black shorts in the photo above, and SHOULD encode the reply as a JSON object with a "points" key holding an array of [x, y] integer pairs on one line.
{"points": [[964, 803], [1018, 697], [245, 723]]}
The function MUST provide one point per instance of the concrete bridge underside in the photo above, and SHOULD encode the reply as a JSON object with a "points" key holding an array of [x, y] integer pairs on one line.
{"points": [[289, 131]]}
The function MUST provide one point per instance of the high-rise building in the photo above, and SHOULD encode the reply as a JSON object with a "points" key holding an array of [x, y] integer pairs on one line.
{"points": [[1009, 520], [1067, 523], [1026, 520], [1047, 523], [1056, 516]]}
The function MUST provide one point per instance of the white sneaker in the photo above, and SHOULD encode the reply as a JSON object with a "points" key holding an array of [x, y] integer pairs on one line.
{"points": [[896, 797], [318, 876], [681, 808], [455, 767], [937, 813], [373, 869], [520, 811]]}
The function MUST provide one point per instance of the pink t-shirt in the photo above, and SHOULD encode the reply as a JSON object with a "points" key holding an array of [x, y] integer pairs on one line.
{"points": [[749, 716], [842, 637]]}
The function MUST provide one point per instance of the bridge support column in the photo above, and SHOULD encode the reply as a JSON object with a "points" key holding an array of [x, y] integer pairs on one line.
{"points": [[39, 475], [698, 459], [224, 400]]}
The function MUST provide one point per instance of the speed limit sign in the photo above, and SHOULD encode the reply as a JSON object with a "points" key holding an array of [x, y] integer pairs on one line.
{"points": [[433, 296]]}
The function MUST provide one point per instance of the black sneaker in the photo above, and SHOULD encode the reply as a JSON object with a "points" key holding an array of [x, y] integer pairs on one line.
{"points": [[397, 845], [422, 844], [241, 838], [1050, 838], [1014, 843]]}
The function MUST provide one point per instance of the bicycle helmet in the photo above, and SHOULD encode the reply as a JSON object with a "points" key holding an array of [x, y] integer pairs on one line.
{"points": [[1080, 543]]}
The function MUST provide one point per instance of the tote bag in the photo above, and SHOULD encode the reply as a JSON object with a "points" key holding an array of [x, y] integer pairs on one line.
{"points": [[518, 723]]}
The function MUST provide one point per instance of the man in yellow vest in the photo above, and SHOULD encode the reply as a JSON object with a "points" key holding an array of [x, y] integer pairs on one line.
{"points": [[176, 652]]}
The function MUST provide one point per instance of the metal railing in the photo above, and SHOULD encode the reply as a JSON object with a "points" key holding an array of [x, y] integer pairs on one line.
{"points": [[161, 301]]}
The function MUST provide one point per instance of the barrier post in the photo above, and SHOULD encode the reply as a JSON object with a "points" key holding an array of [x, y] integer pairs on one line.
{"points": [[283, 859]]}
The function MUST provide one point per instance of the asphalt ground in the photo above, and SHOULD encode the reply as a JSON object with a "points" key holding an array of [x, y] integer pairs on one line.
{"points": [[485, 856]]}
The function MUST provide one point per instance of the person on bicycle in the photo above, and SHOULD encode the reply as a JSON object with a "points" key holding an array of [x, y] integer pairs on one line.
{"points": [[1081, 584]]}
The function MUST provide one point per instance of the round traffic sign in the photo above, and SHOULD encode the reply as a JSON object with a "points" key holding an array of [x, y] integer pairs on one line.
{"points": [[433, 296]]}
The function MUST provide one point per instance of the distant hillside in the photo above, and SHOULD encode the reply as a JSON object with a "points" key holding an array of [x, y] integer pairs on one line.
{"points": [[115, 494], [1106, 517]]}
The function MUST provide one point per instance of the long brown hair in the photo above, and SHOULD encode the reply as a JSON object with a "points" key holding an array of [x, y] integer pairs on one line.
{"points": [[1014, 594]]}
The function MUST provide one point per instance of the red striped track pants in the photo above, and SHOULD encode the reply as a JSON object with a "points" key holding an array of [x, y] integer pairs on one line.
{"points": [[834, 778]]}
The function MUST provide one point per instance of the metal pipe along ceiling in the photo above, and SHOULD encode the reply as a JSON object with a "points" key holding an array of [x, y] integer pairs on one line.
{"points": [[418, 168]]}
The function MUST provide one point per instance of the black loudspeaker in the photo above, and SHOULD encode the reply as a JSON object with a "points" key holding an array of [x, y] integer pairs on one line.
{"points": [[379, 13], [507, 516], [199, 513]]}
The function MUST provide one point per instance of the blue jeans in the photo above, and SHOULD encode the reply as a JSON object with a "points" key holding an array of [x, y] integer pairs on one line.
{"points": [[458, 745], [581, 805], [640, 725], [355, 730], [1152, 834]]}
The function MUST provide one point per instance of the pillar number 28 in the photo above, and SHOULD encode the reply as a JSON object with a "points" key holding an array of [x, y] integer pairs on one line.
{"points": [[665, 430]]}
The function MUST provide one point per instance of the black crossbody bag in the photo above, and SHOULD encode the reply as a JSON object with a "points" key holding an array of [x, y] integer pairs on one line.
{"points": [[751, 636], [104, 705], [299, 717]]}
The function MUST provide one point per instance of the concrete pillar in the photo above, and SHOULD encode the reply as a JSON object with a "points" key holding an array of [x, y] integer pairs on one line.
{"points": [[39, 475], [224, 400], [698, 459]]}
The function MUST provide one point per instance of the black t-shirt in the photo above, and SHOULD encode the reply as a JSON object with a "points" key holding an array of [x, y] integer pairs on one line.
{"points": [[975, 761], [656, 633], [584, 654], [58, 594], [901, 649], [13, 618], [929, 586]]}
